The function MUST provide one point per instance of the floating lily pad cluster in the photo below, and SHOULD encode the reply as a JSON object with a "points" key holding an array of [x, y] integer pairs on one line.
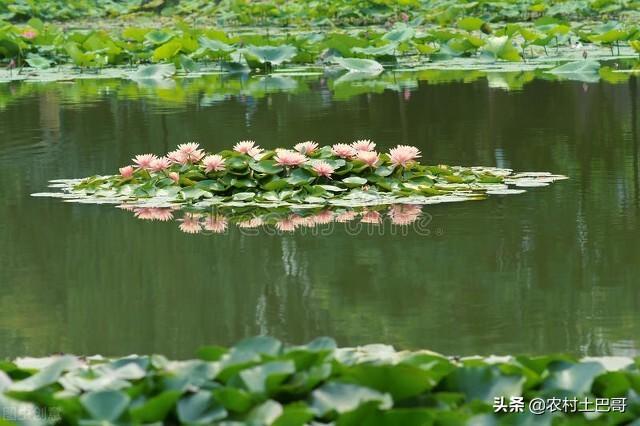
{"points": [[342, 175], [260, 382]]}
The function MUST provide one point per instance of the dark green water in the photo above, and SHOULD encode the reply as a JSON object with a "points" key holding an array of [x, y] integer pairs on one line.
{"points": [[554, 269]]}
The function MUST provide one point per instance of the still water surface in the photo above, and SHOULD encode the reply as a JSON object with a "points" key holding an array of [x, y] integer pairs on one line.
{"points": [[554, 269]]}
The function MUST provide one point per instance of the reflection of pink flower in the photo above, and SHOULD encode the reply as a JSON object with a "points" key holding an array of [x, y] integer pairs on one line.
{"points": [[363, 145], [306, 148], [401, 155], [144, 161], [213, 163], [191, 151], [250, 223], [322, 168], [29, 34], [163, 214], [368, 157], [343, 150], [216, 223], [346, 216], [127, 207], [160, 164], [286, 157], [244, 147], [296, 219], [126, 172], [143, 213], [190, 224], [323, 217], [286, 225], [306, 221], [174, 176], [371, 217], [404, 214]]}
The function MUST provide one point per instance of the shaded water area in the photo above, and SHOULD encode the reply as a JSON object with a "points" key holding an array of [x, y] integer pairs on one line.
{"points": [[553, 269]]}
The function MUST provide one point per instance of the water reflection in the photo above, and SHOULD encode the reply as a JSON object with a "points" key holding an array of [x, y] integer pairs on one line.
{"points": [[210, 90], [254, 220], [554, 269]]}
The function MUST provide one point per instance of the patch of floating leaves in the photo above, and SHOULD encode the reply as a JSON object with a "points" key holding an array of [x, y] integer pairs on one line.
{"points": [[342, 175], [260, 381]]}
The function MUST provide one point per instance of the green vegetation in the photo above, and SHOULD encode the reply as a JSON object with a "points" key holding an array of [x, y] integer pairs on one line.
{"points": [[407, 34], [262, 382], [314, 12], [343, 174]]}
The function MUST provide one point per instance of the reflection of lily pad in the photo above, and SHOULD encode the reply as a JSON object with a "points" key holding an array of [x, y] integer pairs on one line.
{"points": [[586, 71]]}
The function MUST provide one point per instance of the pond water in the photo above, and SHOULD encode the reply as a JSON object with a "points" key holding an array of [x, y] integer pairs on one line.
{"points": [[553, 269]]}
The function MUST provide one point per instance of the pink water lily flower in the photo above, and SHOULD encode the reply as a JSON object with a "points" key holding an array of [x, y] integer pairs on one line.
{"points": [[256, 153], [306, 148], [126, 172], [191, 152], [144, 161], [343, 150], [160, 164], [213, 163], [174, 176], [363, 145], [286, 157], [370, 158], [245, 147], [401, 155], [29, 34], [178, 157], [322, 168]]}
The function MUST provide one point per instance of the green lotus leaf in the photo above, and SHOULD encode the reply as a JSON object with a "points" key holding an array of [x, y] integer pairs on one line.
{"points": [[107, 405], [269, 167], [200, 409], [156, 408], [400, 34], [154, 72], [367, 66], [470, 23], [342, 397], [37, 61], [274, 55], [157, 37], [215, 46], [384, 50], [354, 181]]}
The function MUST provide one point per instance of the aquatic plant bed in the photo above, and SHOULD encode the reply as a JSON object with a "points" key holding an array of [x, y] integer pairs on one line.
{"points": [[44, 51], [348, 175], [260, 381]]}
